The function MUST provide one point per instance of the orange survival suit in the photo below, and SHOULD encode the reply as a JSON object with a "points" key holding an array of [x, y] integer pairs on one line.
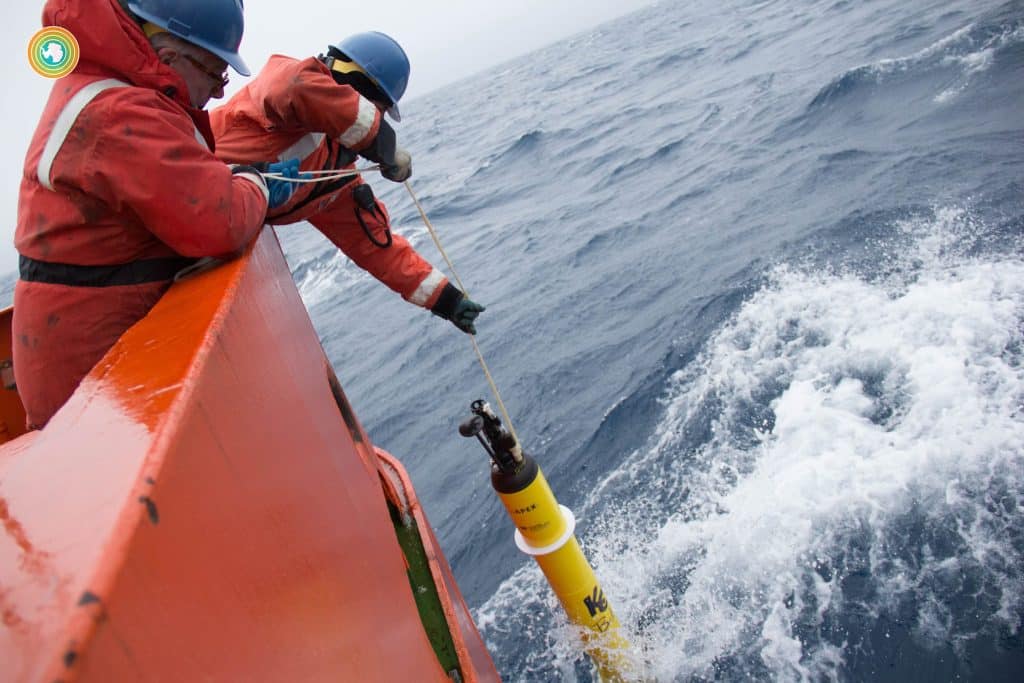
{"points": [[295, 109], [119, 185]]}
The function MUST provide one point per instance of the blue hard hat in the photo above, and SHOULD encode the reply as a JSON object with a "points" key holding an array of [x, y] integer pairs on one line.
{"points": [[384, 61], [214, 25]]}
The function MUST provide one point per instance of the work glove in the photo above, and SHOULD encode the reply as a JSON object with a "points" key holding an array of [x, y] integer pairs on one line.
{"points": [[455, 306], [465, 314], [400, 171], [282, 190]]}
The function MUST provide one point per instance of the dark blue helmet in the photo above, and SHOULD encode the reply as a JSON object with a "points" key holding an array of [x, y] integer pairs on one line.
{"points": [[383, 60], [214, 25]]}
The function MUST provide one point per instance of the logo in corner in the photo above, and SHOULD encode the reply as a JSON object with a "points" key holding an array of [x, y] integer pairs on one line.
{"points": [[53, 52]]}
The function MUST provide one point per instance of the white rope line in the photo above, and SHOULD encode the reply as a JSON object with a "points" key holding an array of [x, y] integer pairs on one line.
{"points": [[322, 175], [472, 338], [335, 174]]}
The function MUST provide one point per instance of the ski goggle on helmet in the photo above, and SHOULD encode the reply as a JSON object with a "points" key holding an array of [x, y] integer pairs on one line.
{"points": [[381, 59]]}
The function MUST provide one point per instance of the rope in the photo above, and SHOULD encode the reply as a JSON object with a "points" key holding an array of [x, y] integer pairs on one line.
{"points": [[336, 174], [472, 338], [323, 175]]}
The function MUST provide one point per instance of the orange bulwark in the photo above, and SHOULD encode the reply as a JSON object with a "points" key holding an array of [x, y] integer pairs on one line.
{"points": [[207, 507]]}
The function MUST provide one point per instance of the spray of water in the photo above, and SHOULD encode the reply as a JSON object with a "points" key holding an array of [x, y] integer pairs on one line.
{"points": [[846, 453]]}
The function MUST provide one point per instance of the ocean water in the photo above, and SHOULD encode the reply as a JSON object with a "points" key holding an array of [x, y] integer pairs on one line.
{"points": [[754, 277], [755, 284]]}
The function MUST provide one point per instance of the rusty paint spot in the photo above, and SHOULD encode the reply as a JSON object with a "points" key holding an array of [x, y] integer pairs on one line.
{"points": [[88, 598], [69, 658], [11, 619], [151, 481], [23, 340], [154, 515], [15, 530], [52, 320]]}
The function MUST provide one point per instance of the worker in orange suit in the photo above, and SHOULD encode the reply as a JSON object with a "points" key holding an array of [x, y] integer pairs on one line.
{"points": [[326, 111], [121, 189]]}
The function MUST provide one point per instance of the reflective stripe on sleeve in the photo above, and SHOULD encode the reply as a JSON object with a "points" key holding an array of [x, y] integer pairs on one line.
{"points": [[253, 176], [427, 288], [256, 180], [358, 131], [303, 147], [65, 121]]}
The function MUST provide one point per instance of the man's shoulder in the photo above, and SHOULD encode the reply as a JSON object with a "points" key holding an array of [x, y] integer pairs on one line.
{"points": [[138, 108], [279, 65], [278, 59], [112, 90], [98, 101]]}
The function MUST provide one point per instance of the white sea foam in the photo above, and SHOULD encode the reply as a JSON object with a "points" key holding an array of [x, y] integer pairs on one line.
{"points": [[885, 405], [960, 50], [896, 64], [322, 279], [973, 62]]}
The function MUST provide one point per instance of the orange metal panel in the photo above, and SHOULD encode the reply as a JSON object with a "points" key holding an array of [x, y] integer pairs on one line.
{"points": [[199, 510]]}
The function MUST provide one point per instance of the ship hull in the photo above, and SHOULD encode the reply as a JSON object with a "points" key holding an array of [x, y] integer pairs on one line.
{"points": [[208, 507]]}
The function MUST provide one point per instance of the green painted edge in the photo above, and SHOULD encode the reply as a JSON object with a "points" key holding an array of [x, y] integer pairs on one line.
{"points": [[424, 591]]}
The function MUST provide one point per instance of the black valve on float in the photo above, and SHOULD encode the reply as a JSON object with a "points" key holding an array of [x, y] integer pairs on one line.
{"points": [[499, 443]]}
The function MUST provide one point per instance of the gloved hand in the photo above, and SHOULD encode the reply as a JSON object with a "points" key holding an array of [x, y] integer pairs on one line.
{"points": [[402, 168], [465, 314], [454, 305], [282, 190]]}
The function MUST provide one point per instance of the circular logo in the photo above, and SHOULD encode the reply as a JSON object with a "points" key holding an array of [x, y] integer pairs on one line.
{"points": [[53, 52]]}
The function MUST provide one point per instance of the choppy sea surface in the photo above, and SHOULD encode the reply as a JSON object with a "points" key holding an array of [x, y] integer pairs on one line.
{"points": [[754, 277]]}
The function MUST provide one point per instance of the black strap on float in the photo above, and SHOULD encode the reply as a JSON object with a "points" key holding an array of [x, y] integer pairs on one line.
{"points": [[132, 273]]}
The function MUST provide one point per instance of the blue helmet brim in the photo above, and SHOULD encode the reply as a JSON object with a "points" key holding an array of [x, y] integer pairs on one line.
{"points": [[232, 58]]}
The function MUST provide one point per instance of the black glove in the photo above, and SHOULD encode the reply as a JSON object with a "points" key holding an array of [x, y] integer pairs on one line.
{"points": [[465, 314], [455, 306]]}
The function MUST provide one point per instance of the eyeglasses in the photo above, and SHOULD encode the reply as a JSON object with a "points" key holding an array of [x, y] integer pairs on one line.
{"points": [[221, 79]]}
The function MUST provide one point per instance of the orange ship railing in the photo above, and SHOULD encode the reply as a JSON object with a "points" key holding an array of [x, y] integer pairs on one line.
{"points": [[207, 507]]}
